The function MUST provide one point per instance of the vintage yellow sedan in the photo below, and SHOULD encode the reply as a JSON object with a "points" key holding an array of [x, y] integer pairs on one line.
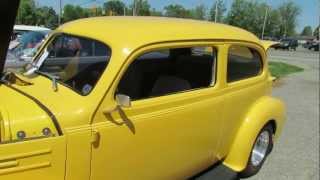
{"points": [[139, 98]]}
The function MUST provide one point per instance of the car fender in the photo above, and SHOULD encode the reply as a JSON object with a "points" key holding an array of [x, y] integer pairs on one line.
{"points": [[264, 110]]}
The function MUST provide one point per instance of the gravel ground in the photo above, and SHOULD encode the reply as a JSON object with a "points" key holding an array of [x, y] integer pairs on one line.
{"points": [[296, 153]]}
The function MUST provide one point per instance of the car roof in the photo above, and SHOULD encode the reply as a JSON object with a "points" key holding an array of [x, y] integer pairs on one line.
{"points": [[133, 32]]}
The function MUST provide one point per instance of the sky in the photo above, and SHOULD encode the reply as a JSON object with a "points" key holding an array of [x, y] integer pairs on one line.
{"points": [[310, 9]]}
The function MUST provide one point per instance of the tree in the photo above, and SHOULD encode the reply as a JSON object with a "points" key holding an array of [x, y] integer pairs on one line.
{"points": [[47, 16], [247, 15], [288, 16], [176, 10], [307, 31], [26, 13], [154, 12], [71, 12], [316, 32], [199, 12], [221, 8], [114, 7], [142, 7], [272, 28], [250, 15]]}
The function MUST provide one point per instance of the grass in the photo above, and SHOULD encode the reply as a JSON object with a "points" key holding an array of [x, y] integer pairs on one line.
{"points": [[280, 69]]}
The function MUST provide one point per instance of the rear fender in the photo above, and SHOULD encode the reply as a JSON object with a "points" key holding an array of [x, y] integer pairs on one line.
{"points": [[263, 111]]}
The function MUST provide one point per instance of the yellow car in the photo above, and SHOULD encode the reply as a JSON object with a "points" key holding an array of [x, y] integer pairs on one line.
{"points": [[139, 98]]}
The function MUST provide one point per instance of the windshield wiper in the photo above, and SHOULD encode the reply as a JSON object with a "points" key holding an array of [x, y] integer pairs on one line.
{"points": [[53, 78]]}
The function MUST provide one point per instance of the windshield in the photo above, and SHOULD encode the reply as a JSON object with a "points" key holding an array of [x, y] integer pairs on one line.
{"points": [[77, 62]]}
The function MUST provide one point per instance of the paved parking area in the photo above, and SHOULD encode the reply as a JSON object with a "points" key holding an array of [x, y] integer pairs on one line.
{"points": [[296, 154]]}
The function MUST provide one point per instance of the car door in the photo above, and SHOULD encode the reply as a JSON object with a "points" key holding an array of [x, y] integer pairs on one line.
{"points": [[245, 83], [42, 158], [170, 135]]}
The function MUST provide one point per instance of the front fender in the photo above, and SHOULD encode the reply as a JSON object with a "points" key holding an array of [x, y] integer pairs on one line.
{"points": [[261, 112]]}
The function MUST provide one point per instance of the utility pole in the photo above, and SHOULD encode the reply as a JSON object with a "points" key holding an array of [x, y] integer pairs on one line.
{"points": [[124, 10], [264, 22], [134, 8], [60, 12], [216, 12]]}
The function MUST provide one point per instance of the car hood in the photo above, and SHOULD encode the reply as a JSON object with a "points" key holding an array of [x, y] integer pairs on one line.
{"points": [[19, 113], [68, 108], [8, 12]]}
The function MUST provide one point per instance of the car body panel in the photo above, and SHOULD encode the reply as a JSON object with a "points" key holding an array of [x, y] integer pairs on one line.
{"points": [[265, 109], [159, 123], [42, 158], [31, 122], [268, 44]]}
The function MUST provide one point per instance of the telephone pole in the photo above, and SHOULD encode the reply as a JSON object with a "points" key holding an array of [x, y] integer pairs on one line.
{"points": [[60, 11], [216, 12], [264, 22], [134, 10]]}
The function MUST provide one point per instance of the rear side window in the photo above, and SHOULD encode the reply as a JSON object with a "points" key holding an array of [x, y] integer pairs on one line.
{"points": [[169, 71], [243, 63]]}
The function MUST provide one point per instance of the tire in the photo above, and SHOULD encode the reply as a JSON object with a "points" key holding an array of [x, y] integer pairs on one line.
{"points": [[255, 161]]}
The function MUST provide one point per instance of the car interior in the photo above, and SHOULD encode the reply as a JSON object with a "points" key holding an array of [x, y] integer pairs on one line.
{"points": [[243, 63], [169, 71], [78, 62]]}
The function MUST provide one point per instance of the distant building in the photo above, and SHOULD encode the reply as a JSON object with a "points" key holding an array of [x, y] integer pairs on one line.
{"points": [[304, 39]]}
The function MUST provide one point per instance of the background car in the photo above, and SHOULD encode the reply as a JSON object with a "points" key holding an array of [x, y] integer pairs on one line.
{"points": [[287, 44], [25, 48], [314, 46], [19, 30]]}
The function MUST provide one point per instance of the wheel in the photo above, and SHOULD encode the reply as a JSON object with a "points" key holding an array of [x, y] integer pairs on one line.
{"points": [[261, 149]]}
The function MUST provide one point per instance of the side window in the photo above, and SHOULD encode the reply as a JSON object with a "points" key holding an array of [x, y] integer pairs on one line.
{"points": [[168, 71], [243, 62]]}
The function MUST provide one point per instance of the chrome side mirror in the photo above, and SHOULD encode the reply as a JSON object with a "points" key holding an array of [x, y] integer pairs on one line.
{"points": [[123, 100]]}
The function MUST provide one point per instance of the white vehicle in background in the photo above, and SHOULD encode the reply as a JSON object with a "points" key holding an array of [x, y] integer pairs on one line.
{"points": [[24, 44], [19, 30]]}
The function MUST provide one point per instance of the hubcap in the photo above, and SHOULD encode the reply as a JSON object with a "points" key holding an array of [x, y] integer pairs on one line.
{"points": [[260, 148]]}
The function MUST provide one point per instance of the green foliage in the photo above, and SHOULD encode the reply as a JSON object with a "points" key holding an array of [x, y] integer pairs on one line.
{"points": [[316, 32], [280, 69], [27, 13], [176, 10], [307, 31], [250, 16], [154, 12], [247, 14], [199, 12], [221, 8], [142, 7], [114, 7], [47, 17], [71, 12], [289, 12]]}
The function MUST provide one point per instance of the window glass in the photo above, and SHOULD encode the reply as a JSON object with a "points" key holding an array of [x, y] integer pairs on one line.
{"points": [[243, 62], [169, 71], [76, 62]]}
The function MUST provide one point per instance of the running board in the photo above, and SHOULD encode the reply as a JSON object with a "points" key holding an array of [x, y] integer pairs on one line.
{"points": [[218, 172]]}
